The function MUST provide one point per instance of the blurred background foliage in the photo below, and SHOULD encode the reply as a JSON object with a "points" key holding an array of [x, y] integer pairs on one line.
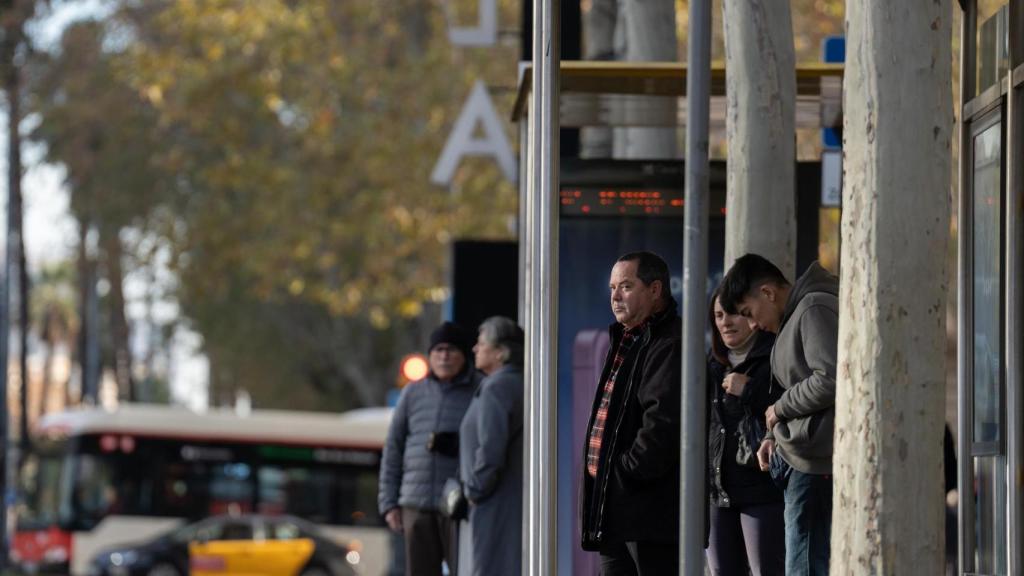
{"points": [[274, 156], [279, 152]]}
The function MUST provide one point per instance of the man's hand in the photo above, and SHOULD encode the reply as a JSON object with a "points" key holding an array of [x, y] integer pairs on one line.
{"points": [[764, 454], [394, 519], [734, 383], [770, 419]]}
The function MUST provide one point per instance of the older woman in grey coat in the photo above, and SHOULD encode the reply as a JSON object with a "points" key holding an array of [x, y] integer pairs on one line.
{"points": [[491, 453]]}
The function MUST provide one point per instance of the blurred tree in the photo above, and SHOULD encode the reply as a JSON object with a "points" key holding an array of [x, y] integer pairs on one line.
{"points": [[282, 150], [301, 136], [55, 320], [14, 14], [103, 132], [307, 140]]}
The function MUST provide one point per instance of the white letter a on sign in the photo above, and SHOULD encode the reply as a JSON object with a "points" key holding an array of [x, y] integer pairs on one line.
{"points": [[493, 142]]}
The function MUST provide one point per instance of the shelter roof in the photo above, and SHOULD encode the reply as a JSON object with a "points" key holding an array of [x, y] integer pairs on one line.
{"points": [[589, 89]]}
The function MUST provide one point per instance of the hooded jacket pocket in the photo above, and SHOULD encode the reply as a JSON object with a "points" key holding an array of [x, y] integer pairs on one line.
{"points": [[809, 437]]}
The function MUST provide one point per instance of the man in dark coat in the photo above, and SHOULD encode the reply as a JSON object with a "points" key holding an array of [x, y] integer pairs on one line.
{"points": [[630, 488]]}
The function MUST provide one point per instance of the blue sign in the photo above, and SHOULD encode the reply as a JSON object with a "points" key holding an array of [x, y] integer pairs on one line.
{"points": [[833, 50]]}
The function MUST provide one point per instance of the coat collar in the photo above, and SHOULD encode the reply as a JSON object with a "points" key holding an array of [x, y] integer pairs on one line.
{"points": [[651, 324]]}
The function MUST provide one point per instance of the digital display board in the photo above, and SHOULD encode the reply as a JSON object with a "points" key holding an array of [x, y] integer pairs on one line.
{"points": [[607, 201], [601, 188]]}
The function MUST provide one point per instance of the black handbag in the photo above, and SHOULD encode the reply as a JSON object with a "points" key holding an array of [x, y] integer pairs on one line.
{"points": [[453, 500], [750, 434]]}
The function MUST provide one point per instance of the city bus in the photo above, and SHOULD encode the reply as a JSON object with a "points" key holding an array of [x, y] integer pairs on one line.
{"points": [[99, 478]]}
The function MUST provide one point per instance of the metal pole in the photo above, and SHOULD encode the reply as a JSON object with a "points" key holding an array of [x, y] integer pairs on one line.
{"points": [[542, 330], [529, 321], [1014, 296], [523, 217], [695, 269], [965, 291]]}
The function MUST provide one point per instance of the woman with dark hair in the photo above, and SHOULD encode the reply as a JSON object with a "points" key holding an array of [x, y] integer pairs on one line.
{"points": [[491, 454], [747, 529]]}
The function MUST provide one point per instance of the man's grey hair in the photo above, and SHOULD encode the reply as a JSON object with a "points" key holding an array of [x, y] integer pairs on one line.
{"points": [[505, 335]]}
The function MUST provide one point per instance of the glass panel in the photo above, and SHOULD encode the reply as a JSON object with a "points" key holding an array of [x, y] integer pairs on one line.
{"points": [[345, 495], [231, 488], [41, 478], [197, 489], [303, 492], [990, 514], [987, 285], [357, 497], [236, 530], [107, 476], [993, 58], [285, 531], [95, 489]]}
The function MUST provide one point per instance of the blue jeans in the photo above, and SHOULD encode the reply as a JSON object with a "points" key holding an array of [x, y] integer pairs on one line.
{"points": [[808, 524]]}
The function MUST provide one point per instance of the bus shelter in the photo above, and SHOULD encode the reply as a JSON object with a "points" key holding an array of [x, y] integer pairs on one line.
{"points": [[576, 217], [991, 289]]}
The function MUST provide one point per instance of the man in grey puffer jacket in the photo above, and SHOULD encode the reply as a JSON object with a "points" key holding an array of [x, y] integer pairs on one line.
{"points": [[422, 451], [800, 424]]}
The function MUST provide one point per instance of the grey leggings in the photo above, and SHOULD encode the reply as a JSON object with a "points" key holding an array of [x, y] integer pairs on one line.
{"points": [[750, 536]]}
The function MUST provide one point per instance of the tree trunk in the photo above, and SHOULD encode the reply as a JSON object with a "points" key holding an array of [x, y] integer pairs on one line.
{"points": [[650, 35], [888, 511], [120, 333], [80, 355], [88, 341], [760, 78], [16, 238], [49, 338]]}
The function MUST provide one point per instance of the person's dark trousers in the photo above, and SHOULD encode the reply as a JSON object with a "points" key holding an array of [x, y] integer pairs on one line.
{"points": [[645, 558], [808, 524], [747, 540], [428, 542]]}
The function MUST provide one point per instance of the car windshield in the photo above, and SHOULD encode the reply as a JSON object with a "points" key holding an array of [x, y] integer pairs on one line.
{"points": [[289, 528], [214, 529]]}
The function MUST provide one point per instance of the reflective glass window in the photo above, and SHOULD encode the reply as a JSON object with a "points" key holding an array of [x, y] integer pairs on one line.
{"points": [[987, 304], [990, 515], [993, 44]]}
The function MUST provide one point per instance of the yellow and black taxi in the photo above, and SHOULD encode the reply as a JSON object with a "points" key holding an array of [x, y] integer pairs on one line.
{"points": [[249, 545]]}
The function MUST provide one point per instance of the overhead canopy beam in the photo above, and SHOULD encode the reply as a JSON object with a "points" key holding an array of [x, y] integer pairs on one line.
{"points": [[819, 85]]}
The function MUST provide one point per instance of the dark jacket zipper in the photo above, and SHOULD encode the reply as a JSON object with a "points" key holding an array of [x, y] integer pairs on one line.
{"points": [[641, 351]]}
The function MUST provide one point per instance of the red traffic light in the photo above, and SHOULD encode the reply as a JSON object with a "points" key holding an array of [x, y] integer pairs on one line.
{"points": [[414, 367]]}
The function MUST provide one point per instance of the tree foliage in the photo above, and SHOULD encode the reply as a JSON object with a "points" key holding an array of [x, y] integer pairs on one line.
{"points": [[303, 135], [282, 151]]}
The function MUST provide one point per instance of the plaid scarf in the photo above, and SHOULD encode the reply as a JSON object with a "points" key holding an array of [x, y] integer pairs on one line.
{"points": [[629, 337]]}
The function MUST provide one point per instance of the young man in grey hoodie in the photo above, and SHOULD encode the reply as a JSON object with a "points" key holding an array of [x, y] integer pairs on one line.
{"points": [[800, 424]]}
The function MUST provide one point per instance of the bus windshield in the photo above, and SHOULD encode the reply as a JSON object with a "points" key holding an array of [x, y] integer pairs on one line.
{"points": [[43, 478], [101, 490]]}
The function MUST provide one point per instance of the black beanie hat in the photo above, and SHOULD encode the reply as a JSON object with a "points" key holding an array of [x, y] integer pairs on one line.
{"points": [[451, 333]]}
